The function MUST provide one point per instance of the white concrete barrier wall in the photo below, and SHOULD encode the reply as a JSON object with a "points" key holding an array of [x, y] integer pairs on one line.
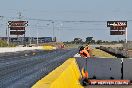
{"points": [[15, 49]]}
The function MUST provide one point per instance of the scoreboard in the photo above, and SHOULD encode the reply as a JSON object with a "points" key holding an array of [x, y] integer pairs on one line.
{"points": [[117, 27], [17, 27]]}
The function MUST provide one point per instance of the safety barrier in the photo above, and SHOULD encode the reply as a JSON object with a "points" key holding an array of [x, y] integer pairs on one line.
{"points": [[15, 49], [65, 76], [107, 68], [48, 48]]}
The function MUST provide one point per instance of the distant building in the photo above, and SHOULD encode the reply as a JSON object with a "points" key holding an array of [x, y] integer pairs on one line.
{"points": [[27, 40], [3, 38]]}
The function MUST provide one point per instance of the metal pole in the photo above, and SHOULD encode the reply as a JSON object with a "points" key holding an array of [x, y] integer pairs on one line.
{"points": [[122, 68], [126, 36], [24, 39], [6, 35], [59, 31], [8, 40], [53, 30], [59, 40], [37, 36], [126, 42], [29, 37]]}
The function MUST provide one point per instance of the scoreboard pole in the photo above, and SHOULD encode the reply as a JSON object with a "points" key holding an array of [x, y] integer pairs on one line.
{"points": [[8, 36], [126, 36], [126, 48]]}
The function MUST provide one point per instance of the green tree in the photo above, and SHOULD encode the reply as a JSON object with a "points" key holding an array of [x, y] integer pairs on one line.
{"points": [[99, 41]]}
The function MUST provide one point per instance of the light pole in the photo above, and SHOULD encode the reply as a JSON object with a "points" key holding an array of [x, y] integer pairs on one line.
{"points": [[126, 36], [7, 34], [59, 32], [37, 36], [30, 42], [53, 30]]}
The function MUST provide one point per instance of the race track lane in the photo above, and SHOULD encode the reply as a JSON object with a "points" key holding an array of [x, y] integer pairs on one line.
{"points": [[23, 73]]}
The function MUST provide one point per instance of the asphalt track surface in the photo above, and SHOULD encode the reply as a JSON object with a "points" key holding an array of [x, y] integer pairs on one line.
{"points": [[23, 69]]}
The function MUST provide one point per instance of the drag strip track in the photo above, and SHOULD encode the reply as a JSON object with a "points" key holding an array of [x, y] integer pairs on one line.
{"points": [[4, 57], [24, 72]]}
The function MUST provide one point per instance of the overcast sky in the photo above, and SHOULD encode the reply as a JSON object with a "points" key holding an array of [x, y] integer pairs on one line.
{"points": [[68, 10]]}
